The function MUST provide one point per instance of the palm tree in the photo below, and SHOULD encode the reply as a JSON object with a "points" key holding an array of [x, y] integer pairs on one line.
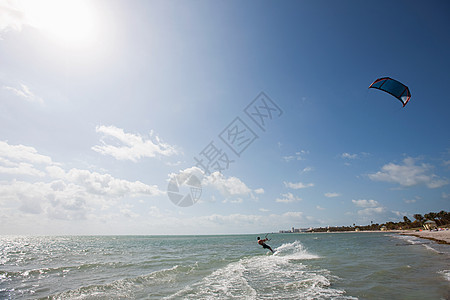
{"points": [[419, 218]]}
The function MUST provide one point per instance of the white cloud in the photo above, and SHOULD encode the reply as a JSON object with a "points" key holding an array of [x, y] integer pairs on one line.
{"points": [[132, 146], [352, 156], [11, 16], [55, 171], [408, 174], [298, 185], [365, 203], [410, 201], [20, 168], [349, 156], [370, 207], [57, 200], [22, 153], [259, 191], [195, 171], [105, 184], [233, 219], [239, 221], [234, 200], [73, 195], [55, 18], [332, 195], [399, 213], [60, 194], [295, 215], [126, 211], [288, 198], [307, 169], [230, 186], [371, 211], [21, 160], [297, 156], [155, 212], [25, 93], [319, 207]]}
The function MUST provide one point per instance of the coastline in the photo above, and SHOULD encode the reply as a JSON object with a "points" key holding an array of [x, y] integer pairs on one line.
{"points": [[441, 237]]}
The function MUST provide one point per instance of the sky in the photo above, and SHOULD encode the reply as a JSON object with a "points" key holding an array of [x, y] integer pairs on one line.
{"points": [[220, 117]]}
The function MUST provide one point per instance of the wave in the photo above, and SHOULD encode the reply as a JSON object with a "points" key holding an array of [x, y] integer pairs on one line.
{"points": [[445, 274], [410, 239], [281, 276], [413, 240], [278, 276], [62, 270], [294, 250], [135, 287]]}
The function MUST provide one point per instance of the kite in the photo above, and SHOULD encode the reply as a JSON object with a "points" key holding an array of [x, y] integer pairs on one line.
{"points": [[393, 87]]}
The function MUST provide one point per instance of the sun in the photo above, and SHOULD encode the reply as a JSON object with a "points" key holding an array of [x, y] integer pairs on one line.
{"points": [[69, 21]]}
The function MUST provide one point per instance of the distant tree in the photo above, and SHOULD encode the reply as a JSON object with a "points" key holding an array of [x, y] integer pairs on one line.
{"points": [[419, 218], [430, 216], [441, 218], [444, 217], [391, 225]]}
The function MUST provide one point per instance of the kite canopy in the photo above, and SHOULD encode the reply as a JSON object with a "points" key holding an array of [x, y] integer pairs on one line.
{"points": [[393, 87]]}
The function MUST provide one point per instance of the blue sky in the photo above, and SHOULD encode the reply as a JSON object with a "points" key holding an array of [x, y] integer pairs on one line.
{"points": [[104, 102]]}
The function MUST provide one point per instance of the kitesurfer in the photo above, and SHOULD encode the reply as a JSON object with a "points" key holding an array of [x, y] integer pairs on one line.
{"points": [[263, 243]]}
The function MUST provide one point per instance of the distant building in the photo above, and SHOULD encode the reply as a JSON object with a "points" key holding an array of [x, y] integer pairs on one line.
{"points": [[294, 230]]}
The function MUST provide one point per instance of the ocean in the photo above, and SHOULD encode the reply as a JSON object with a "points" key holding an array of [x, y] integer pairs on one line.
{"points": [[355, 265]]}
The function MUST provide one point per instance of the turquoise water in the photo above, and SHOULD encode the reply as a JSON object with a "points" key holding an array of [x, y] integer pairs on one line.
{"points": [[305, 266]]}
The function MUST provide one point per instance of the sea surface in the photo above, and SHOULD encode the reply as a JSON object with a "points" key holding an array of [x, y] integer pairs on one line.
{"points": [[305, 266]]}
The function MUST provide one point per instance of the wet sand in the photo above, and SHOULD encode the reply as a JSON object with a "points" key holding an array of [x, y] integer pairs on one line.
{"points": [[442, 236]]}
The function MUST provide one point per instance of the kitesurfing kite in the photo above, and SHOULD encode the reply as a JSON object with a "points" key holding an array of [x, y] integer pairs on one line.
{"points": [[393, 87]]}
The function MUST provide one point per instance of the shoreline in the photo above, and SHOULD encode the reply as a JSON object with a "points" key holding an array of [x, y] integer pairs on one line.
{"points": [[441, 237]]}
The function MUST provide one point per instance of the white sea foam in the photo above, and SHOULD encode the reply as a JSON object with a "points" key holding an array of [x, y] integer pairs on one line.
{"points": [[413, 240], [445, 274], [279, 276], [294, 250]]}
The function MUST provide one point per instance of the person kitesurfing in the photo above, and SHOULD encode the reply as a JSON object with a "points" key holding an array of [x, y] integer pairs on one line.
{"points": [[263, 243]]}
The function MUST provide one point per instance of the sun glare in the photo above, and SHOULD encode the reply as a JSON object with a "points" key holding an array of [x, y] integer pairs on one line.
{"points": [[70, 21]]}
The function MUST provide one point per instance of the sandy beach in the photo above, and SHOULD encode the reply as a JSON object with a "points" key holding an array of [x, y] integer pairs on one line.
{"points": [[442, 236]]}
